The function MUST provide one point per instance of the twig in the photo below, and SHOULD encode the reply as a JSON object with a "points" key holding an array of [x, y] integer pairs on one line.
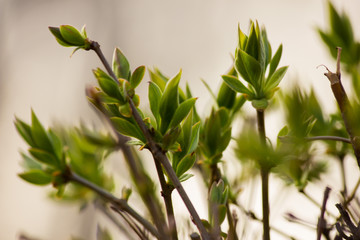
{"points": [[311, 199], [138, 174], [101, 206], [344, 105], [333, 138], [141, 234], [156, 151], [264, 178], [321, 226], [352, 195], [119, 203]]}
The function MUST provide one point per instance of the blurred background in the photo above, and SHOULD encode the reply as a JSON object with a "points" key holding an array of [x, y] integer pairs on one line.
{"points": [[197, 36]]}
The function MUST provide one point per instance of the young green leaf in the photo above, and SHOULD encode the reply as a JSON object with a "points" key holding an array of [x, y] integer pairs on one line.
{"points": [[39, 134], [154, 100], [25, 131], [57, 34], [36, 176], [72, 35], [224, 142], [169, 101], [127, 128], [194, 141], [44, 157], [137, 76], [275, 78], [107, 84], [248, 67], [236, 84], [185, 164], [226, 96], [252, 46], [29, 163], [182, 111], [275, 61], [121, 66], [158, 78], [56, 144], [185, 177]]}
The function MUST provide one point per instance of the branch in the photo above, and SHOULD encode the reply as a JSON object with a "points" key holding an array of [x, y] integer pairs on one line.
{"points": [[333, 138], [119, 203], [344, 106], [156, 151], [264, 178], [321, 226]]}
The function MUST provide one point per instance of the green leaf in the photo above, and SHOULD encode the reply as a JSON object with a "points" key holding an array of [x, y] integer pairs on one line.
{"points": [[29, 163], [107, 84], [36, 176], [226, 96], [44, 157], [283, 132], [57, 34], [252, 46], [236, 84], [137, 76], [275, 78], [127, 128], [275, 60], [25, 131], [154, 100], [185, 177], [242, 38], [195, 133], [39, 134], [222, 212], [169, 101], [182, 111], [71, 35], [330, 42], [248, 67], [121, 66], [57, 145], [185, 164], [159, 79], [225, 139]]}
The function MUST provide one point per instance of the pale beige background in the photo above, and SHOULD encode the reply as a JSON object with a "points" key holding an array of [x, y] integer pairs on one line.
{"points": [[195, 35]]}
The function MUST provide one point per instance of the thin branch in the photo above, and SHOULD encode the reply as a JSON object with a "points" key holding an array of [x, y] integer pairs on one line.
{"points": [[311, 199], [101, 206], [321, 226], [160, 156], [264, 178], [344, 106], [166, 193], [140, 232], [353, 193], [119, 203], [332, 138], [157, 152]]}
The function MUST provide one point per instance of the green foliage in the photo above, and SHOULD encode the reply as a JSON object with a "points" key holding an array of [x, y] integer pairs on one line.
{"points": [[176, 134], [252, 57]]}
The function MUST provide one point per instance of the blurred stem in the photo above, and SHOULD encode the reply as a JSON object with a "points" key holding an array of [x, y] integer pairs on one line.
{"points": [[166, 191], [156, 151], [344, 106], [353, 193], [116, 202], [343, 176], [311, 199], [333, 138], [264, 178]]}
